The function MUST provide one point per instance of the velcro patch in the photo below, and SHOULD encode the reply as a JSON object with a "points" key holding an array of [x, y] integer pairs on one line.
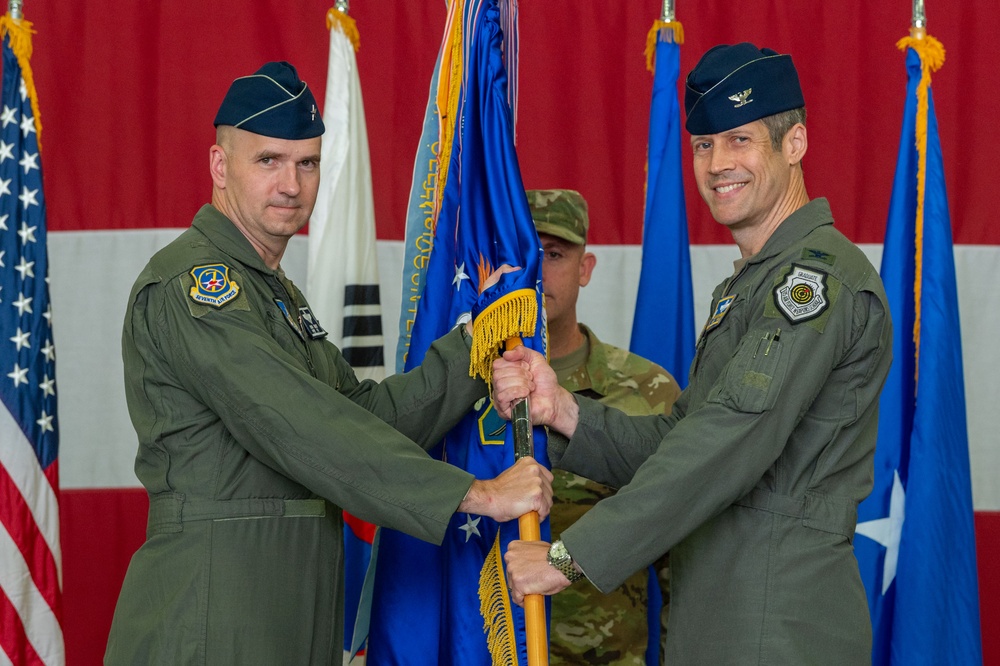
{"points": [[819, 255], [212, 285], [721, 308], [802, 296]]}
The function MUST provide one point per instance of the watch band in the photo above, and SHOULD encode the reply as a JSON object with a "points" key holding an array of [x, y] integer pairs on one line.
{"points": [[560, 558]]}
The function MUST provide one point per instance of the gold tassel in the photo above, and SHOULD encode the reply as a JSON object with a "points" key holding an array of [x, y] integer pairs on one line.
{"points": [[513, 315], [664, 32], [449, 88], [494, 606], [346, 24], [931, 53], [20, 32]]}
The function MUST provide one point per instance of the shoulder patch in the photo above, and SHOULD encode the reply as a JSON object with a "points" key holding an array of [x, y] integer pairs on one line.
{"points": [[802, 296], [212, 285]]}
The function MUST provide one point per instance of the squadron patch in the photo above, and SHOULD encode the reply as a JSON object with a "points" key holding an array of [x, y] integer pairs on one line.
{"points": [[212, 285], [721, 308], [802, 296]]}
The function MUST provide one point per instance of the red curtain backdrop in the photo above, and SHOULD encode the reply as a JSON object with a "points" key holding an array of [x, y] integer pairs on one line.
{"points": [[128, 91]]}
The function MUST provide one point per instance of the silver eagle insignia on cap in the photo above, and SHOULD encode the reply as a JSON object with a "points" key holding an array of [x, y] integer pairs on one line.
{"points": [[741, 98]]}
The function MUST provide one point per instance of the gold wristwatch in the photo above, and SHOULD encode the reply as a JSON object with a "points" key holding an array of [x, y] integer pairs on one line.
{"points": [[560, 558]]}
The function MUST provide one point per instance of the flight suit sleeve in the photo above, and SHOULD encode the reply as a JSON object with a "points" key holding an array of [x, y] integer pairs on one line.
{"points": [[720, 450], [426, 402], [229, 359]]}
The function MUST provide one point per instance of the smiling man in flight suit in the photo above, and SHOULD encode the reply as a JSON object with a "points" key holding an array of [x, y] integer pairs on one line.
{"points": [[752, 482]]}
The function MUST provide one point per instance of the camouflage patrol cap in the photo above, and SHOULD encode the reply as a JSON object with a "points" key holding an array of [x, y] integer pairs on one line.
{"points": [[560, 213]]}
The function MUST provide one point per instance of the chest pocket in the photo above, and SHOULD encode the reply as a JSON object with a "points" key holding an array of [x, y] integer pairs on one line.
{"points": [[283, 333], [717, 337], [753, 377]]}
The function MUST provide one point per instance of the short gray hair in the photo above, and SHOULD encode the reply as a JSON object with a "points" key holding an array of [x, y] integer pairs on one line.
{"points": [[779, 124]]}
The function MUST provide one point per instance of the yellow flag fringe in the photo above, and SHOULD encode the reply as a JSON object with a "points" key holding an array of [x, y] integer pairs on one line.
{"points": [[513, 315], [347, 25], [664, 32], [494, 600], [931, 53], [20, 33], [449, 88]]}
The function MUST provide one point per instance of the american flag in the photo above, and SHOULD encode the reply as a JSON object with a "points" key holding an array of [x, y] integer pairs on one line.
{"points": [[30, 557]]}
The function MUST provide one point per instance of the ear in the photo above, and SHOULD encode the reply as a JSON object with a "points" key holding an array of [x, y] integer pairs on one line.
{"points": [[795, 144], [217, 166], [587, 263]]}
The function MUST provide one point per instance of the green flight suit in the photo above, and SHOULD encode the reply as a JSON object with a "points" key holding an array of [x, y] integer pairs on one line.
{"points": [[752, 482], [588, 626], [253, 434]]}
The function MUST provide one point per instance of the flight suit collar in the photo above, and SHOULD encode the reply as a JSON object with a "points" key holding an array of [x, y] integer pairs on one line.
{"points": [[795, 227], [222, 233]]}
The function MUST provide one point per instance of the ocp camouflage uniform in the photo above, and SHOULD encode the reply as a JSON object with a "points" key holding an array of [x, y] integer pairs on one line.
{"points": [[589, 627]]}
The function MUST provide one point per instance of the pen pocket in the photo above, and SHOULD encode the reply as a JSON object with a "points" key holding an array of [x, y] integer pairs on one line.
{"points": [[753, 377]]}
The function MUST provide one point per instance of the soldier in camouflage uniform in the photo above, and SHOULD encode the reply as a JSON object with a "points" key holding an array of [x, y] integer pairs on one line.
{"points": [[589, 627]]}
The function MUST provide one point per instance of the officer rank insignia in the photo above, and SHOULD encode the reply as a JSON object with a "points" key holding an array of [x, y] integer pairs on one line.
{"points": [[802, 296], [212, 285]]}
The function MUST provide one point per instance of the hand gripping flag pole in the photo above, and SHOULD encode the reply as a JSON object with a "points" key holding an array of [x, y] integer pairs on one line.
{"points": [[507, 318], [530, 530]]}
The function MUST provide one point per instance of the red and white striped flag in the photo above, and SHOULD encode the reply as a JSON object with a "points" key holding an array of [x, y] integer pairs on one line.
{"points": [[30, 556]]}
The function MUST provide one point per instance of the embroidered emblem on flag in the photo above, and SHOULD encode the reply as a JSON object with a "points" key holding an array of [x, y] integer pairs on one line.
{"points": [[802, 296], [212, 285], [491, 426]]}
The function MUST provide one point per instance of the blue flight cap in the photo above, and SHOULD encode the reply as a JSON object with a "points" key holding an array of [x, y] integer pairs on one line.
{"points": [[274, 102], [733, 85]]}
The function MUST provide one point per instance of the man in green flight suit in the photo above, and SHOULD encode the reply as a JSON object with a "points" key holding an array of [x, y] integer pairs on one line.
{"points": [[587, 626], [753, 480], [253, 430]]}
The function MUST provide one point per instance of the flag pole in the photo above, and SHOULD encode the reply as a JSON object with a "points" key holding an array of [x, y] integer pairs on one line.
{"points": [[529, 527], [918, 26], [668, 11], [919, 23]]}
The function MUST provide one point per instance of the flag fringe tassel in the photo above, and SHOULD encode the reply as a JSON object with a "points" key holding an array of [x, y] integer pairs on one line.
{"points": [[672, 32], [347, 25], [494, 600], [512, 315], [931, 53], [19, 31], [448, 94]]}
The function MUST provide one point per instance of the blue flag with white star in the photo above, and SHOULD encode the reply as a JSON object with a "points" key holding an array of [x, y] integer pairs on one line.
{"points": [[916, 542], [426, 604], [30, 553]]}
